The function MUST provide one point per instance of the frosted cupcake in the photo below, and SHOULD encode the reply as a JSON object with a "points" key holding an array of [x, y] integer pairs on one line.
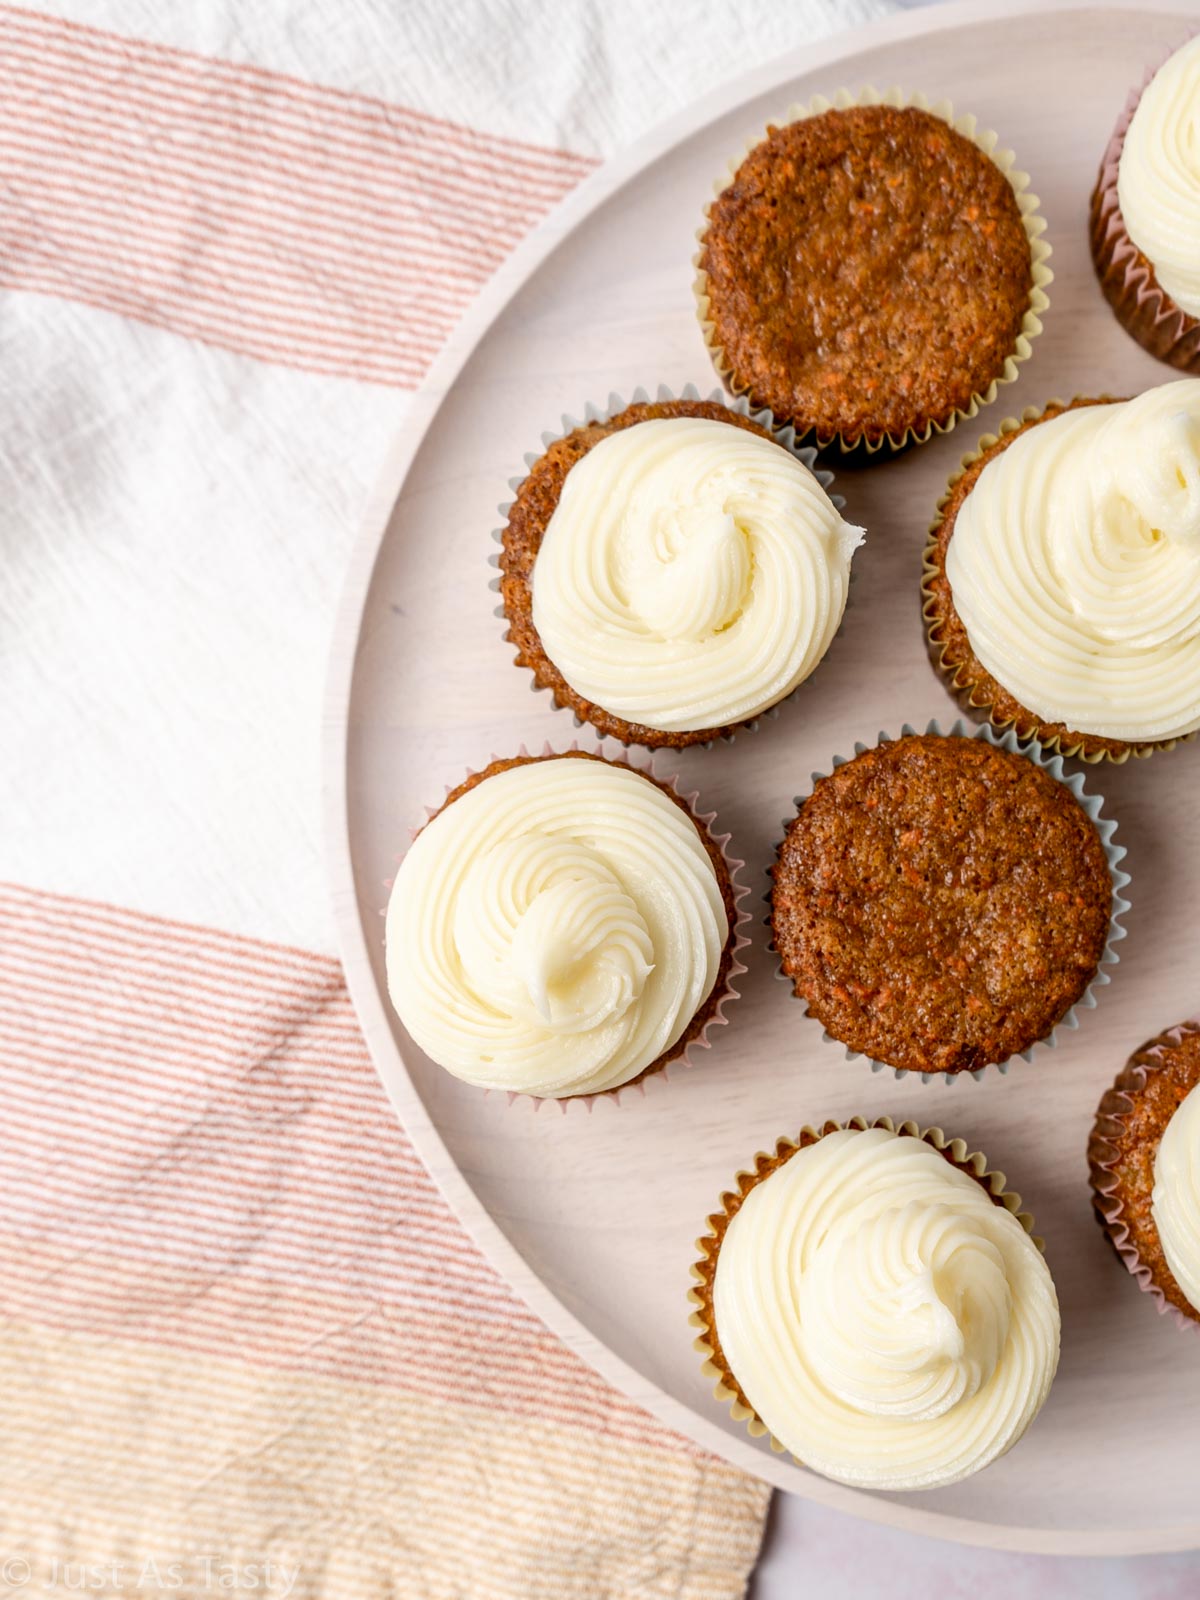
{"points": [[1144, 1156], [672, 572], [871, 1298], [1145, 215], [1062, 576], [563, 926]]}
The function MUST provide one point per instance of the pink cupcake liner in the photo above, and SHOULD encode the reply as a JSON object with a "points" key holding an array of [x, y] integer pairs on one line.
{"points": [[1102, 1162], [1141, 306], [741, 939]]}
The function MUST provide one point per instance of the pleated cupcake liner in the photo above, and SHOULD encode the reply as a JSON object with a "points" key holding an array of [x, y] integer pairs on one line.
{"points": [[1143, 308], [1106, 827], [783, 434], [971, 695], [727, 1390], [704, 821], [1039, 252], [1103, 1160]]}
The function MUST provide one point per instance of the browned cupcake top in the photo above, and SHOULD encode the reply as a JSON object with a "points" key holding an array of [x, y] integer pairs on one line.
{"points": [[868, 272], [940, 903], [1132, 1119]]}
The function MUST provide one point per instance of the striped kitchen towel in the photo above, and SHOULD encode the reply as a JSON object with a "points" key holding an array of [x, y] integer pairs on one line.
{"points": [[330, 232], [240, 1327]]}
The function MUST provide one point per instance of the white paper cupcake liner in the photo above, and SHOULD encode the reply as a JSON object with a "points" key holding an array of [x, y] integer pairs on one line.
{"points": [[726, 1389], [1103, 1160], [704, 820], [1034, 222], [1114, 853], [784, 435]]}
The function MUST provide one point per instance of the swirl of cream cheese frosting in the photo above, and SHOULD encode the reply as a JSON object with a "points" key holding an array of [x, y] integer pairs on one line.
{"points": [[1158, 176], [554, 930], [1175, 1199], [692, 574], [891, 1325], [1075, 566]]}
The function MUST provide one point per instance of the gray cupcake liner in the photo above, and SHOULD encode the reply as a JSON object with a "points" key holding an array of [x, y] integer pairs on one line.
{"points": [[784, 435], [1106, 827]]}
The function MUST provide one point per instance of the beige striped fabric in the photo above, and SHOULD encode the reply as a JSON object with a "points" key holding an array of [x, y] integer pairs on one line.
{"points": [[245, 1345]]}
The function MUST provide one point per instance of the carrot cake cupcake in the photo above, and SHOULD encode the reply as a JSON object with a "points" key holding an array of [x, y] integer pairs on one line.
{"points": [[940, 903], [672, 572], [868, 272], [563, 926], [1062, 579], [1144, 1156], [870, 1297], [1145, 216]]}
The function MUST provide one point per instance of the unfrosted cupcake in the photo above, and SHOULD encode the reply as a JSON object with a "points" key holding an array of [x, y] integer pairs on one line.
{"points": [[873, 1299], [1062, 576], [1144, 1156], [940, 904], [871, 270], [564, 926], [672, 572], [1145, 214]]}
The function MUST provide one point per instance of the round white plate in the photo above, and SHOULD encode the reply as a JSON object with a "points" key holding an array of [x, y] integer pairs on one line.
{"points": [[593, 1216]]}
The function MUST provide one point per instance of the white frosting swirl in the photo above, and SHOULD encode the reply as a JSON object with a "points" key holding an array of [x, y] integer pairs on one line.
{"points": [[890, 1324], [1158, 178], [1175, 1201], [693, 573], [1075, 566], [555, 929]]}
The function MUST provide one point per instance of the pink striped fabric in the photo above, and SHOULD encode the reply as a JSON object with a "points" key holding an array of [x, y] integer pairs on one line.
{"points": [[201, 1108], [236, 1317], [237, 1320], [300, 225]]}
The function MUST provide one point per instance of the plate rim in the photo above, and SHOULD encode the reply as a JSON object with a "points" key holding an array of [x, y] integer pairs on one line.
{"points": [[368, 1002]]}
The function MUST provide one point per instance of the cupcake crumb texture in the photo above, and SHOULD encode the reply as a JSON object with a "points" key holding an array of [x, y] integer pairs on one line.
{"points": [[868, 272], [940, 903]]}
